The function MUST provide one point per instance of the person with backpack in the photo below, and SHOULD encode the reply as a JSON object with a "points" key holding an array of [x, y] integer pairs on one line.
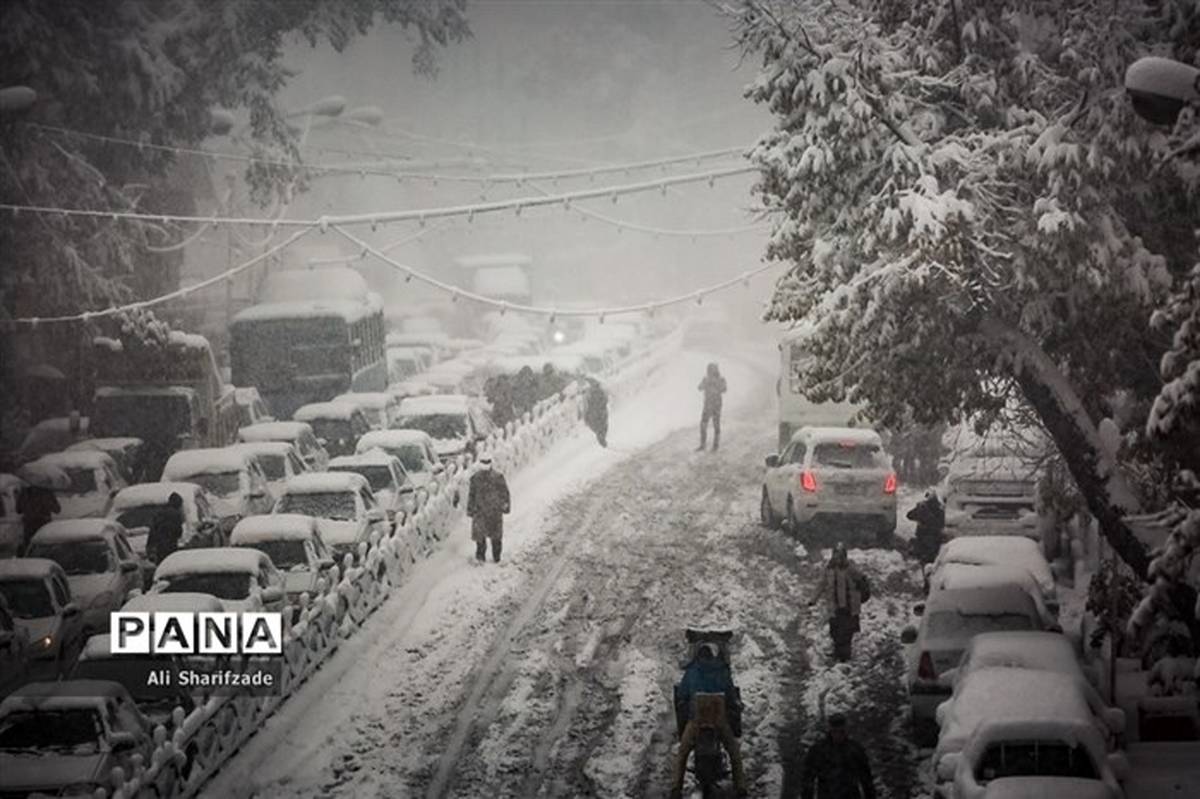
{"points": [[843, 588]]}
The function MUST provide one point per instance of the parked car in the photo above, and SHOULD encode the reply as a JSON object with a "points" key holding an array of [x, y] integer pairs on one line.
{"points": [[1000, 550], [453, 422], [948, 620], [15, 652], [414, 449], [967, 575], [12, 531], [135, 508], [337, 425], [406, 362], [101, 567], [94, 481], [243, 580], [1020, 759], [128, 453], [39, 599], [379, 407], [343, 504], [838, 475], [52, 435], [389, 482], [1014, 695], [252, 408], [233, 478], [298, 434], [294, 544], [279, 462], [412, 387], [65, 738], [991, 484]]}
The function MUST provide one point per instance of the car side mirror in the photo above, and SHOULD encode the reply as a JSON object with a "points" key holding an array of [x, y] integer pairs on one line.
{"points": [[908, 635], [258, 494], [947, 766], [70, 610], [123, 741], [130, 566], [772, 461], [376, 515], [1114, 719], [323, 441], [942, 471], [272, 593], [919, 609], [324, 564]]}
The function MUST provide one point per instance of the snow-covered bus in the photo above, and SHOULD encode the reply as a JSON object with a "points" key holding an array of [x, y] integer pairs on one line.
{"points": [[317, 334], [795, 409]]}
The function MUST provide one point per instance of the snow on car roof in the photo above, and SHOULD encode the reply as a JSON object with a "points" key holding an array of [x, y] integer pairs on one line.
{"points": [[246, 393], [69, 530], [273, 431], [63, 695], [348, 311], [210, 560], [434, 403], [988, 550], [392, 438], [324, 410], [1013, 694], [972, 575], [324, 482], [77, 459], [857, 435], [105, 444], [212, 460], [145, 391], [372, 457], [281, 448], [366, 399], [135, 496], [181, 602], [982, 601], [274, 527], [1021, 649], [26, 568]]}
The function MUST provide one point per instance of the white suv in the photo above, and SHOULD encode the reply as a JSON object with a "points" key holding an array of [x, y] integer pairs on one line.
{"points": [[835, 475]]}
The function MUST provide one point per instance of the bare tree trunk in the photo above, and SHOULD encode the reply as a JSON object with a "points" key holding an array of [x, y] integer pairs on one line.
{"points": [[1048, 391]]}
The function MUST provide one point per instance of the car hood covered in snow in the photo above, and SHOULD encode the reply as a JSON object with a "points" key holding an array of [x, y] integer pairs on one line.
{"points": [[338, 533]]}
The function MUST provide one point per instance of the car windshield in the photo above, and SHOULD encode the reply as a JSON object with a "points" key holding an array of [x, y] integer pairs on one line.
{"points": [[849, 455], [141, 516], [412, 456], [338, 505], [332, 429], [222, 585], [284, 554], [1035, 759], [78, 731], [83, 481], [438, 425], [220, 484], [273, 466], [380, 477], [27, 599], [950, 624], [76, 557]]}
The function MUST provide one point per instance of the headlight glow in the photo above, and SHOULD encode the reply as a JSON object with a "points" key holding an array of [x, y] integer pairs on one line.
{"points": [[44, 643]]}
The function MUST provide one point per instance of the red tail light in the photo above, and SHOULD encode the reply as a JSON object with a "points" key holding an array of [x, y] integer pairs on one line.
{"points": [[889, 485], [925, 669], [808, 481]]}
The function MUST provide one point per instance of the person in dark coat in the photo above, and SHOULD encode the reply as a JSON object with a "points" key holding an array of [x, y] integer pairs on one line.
{"points": [[524, 391], [36, 505], [165, 530], [836, 766], [550, 382], [498, 390], [487, 502], [930, 516], [713, 386], [595, 412]]}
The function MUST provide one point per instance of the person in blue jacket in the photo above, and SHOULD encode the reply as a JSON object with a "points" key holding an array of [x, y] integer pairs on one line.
{"points": [[708, 674]]}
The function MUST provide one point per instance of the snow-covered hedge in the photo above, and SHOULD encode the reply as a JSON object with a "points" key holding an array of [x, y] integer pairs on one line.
{"points": [[193, 746]]}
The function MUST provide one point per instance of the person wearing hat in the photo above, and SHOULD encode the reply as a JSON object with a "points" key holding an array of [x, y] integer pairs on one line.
{"points": [[707, 674], [487, 502], [930, 516], [836, 766]]}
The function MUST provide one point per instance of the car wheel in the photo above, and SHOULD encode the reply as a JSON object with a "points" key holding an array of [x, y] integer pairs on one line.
{"points": [[767, 513]]}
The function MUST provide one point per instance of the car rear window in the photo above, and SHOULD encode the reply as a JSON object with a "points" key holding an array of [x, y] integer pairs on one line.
{"points": [[849, 455], [222, 585], [283, 553], [335, 505], [76, 557], [948, 624], [76, 731], [1035, 759], [27, 599]]}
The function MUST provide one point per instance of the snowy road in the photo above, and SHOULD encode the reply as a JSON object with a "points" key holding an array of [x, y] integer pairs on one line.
{"points": [[550, 674]]}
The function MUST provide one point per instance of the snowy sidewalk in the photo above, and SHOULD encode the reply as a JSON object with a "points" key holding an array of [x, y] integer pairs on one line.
{"points": [[1164, 770]]}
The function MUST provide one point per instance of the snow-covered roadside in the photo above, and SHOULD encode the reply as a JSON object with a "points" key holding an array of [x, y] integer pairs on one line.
{"points": [[445, 616]]}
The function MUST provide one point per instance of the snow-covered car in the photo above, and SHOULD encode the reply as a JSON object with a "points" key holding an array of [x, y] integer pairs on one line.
{"points": [[1020, 760], [1000, 550], [39, 599], [12, 533], [379, 407], [968, 575], [293, 543], [838, 475], [453, 421], [299, 434], [244, 580], [127, 452], [337, 425], [136, 506], [15, 653], [406, 362], [389, 482], [232, 477], [948, 620], [101, 566], [413, 387], [65, 738], [94, 480], [52, 435], [1019, 696], [414, 449], [252, 408], [990, 486], [343, 504], [279, 462], [429, 341]]}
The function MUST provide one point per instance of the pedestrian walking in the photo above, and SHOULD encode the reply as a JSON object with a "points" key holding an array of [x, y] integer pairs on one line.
{"points": [[36, 505], [487, 502], [843, 588], [595, 412], [713, 386], [836, 766], [930, 516], [166, 529]]}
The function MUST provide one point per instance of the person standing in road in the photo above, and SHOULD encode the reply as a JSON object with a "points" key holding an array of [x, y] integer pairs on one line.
{"points": [[713, 386], [165, 530], [844, 588], [36, 505], [487, 502], [930, 516], [836, 766], [595, 412]]}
